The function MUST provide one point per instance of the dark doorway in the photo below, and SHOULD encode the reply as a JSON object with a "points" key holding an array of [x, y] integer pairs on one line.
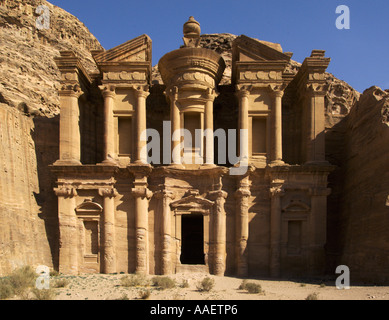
{"points": [[192, 234]]}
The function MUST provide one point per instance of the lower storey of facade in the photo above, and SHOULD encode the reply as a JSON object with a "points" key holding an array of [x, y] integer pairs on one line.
{"points": [[268, 222]]}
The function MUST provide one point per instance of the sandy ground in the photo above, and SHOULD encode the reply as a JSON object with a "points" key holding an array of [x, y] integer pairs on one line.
{"points": [[108, 287]]}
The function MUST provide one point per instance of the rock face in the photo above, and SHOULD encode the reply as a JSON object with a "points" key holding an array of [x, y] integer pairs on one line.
{"points": [[27, 54], [29, 109], [361, 224]]}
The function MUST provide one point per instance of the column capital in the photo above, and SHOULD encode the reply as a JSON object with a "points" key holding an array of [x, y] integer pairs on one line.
{"points": [[70, 90], [65, 191], [277, 90], [165, 194], [108, 91], [210, 94], [243, 91], [316, 89], [141, 91], [277, 191], [108, 192], [172, 92], [218, 194], [141, 192]]}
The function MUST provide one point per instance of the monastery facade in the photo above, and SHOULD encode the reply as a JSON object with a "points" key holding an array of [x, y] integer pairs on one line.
{"points": [[120, 212]]}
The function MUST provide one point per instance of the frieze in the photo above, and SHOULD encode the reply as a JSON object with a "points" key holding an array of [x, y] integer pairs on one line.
{"points": [[124, 76]]}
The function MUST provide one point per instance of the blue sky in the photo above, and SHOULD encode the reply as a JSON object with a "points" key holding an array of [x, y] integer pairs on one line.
{"points": [[359, 56]]}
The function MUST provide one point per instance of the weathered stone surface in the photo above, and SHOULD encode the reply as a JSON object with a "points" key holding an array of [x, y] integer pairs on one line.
{"points": [[360, 237], [29, 109]]}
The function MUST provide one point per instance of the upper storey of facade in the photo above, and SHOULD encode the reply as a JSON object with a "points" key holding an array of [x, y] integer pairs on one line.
{"points": [[108, 118]]}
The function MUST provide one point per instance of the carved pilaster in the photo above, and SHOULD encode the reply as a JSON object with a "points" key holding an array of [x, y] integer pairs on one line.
{"points": [[68, 242], [219, 216], [242, 196], [276, 192], [141, 196], [166, 197], [109, 258]]}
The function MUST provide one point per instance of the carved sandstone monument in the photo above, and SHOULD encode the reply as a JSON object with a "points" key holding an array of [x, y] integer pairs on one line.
{"points": [[91, 196], [119, 213]]}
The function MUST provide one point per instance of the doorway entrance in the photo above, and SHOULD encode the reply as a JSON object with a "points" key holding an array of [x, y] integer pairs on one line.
{"points": [[192, 234]]}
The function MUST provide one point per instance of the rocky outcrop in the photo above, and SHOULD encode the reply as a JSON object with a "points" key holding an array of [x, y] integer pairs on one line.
{"points": [[29, 109], [29, 75]]}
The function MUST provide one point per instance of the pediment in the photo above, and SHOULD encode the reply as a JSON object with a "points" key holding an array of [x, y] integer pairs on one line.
{"points": [[246, 49], [192, 203], [135, 50], [296, 206], [89, 207]]}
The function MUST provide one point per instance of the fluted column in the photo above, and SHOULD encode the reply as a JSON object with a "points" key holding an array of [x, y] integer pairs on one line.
{"points": [[167, 197], [276, 127], [219, 216], [243, 95], [109, 258], [109, 134], [69, 131], [141, 196], [68, 242], [276, 193], [208, 126], [242, 227], [140, 143]]}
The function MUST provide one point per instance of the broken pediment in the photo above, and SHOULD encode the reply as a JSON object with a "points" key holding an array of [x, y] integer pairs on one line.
{"points": [[89, 207], [296, 206], [135, 50], [191, 204], [246, 49]]}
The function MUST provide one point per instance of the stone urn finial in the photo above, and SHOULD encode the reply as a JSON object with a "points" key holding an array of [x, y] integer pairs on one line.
{"points": [[191, 33]]}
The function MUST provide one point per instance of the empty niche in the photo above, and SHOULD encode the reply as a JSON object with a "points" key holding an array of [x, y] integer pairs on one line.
{"points": [[259, 135], [294, 237], [124, 136]]}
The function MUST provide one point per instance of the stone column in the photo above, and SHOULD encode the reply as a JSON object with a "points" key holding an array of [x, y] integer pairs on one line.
{"points": [[276, 127], [242, 227], [276, 193], [317, 229], [243, 95], [109, 258], [141, 196], [219, 216], [315, 133], [69, 131], [68, 242], [167, 197], [208, 126], [140, 143], [109, 134], [175, 119]]}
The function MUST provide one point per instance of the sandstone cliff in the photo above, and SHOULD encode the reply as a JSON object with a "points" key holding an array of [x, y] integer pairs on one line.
{"points": [[29, 108], [361, 227]]}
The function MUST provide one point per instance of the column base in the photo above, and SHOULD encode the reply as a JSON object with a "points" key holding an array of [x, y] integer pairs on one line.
{"points": [[67, 163], [176, 166], [275, 163], [109, 162], [208, 165]]}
